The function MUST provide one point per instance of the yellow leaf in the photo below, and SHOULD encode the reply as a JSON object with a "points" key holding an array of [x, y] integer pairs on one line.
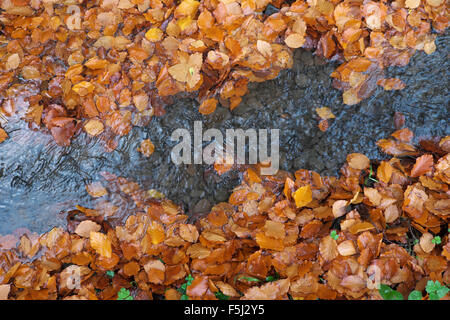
{"points": [[303, 196], [154, 35], [94, 127], [294, 40], [187, 8], [156, 232], [325, 113], [83, 88]]}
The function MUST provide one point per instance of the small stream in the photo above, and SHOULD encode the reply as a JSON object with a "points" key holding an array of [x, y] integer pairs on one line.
{"points": [[39, 179]]}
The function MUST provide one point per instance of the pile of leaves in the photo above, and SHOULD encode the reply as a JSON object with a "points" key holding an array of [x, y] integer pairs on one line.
{"points": [[104, 66], [287, 236]]}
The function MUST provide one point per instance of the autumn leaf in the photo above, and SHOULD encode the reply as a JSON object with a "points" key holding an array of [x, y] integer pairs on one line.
{"points": [[96, 189], [423, 165], [85, 227], [384, 171], [358, 161], [391, 84], [4, 291], [94, 127], [188, 70], [154, 34], [146, 148], [295, 40], [208, 106], [404, 135], [3, 135], [101, 244], [325, 113], [302, 196], [269, 291]]}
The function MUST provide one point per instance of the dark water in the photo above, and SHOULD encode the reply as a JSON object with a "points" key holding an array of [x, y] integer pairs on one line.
{"points": [[39, 179]]}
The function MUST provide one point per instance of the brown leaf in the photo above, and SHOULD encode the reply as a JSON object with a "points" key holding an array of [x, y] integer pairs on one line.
{"points": [[269, 291], [358, 161]]}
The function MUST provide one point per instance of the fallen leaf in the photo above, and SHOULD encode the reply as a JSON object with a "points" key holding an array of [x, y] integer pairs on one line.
{"points": [[85, 227], [101, 244], [423, 165], [325, 113], [96, 189], [358, 161], [146, 148], [3, 135], [303, 196], [94, 127]]}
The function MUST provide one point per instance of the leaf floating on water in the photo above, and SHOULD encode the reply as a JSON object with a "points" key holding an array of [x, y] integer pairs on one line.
{"points": [[325, 113], [96, 189], [3, 135], [146, 148], [391, 84]]}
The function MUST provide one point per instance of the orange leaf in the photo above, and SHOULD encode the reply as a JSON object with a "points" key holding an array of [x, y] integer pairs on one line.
{"points": [[208, 106], [100, 243], [146, 148], [423, 165], [3, 135], [303, 196]]}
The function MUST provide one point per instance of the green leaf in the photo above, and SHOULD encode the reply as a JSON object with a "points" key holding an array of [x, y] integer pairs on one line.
{"points": [[110, 273], [415, 295], [334, 235], [273, 278], [436, 290], [436, 240], [387, 293], [184, 297], [124, 294], [432, 286], [396, 295], [189, 280], [442, 292], [219, 295], [251, 279]]}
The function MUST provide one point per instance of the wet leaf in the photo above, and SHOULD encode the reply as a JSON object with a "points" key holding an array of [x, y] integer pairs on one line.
{"points": [[423, 165], [101, 244], [94, 127], [146, 148], [303, 196], [325, 113], [85, 227], [3, 135], [96, 189]]}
